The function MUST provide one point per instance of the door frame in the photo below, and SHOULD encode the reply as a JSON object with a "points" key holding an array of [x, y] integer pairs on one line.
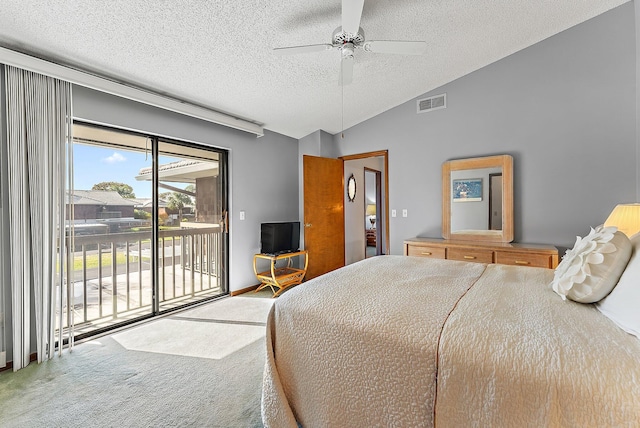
{"points": [[385, 202], [378, 189]]}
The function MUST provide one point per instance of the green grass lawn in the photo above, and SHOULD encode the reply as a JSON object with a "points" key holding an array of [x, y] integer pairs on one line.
{"points": [[92, 260], [121, 257]]}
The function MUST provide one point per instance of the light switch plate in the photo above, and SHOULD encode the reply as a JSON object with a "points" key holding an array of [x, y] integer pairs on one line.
{"points": [[241, 215], [404, 213], [393, 213]]}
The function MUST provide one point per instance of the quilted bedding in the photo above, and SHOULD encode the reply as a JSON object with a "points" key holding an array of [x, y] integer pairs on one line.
{"points": [[407, 341]]}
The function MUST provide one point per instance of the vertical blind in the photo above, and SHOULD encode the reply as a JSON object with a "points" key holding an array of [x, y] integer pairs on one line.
{"points": [[39, 119]]}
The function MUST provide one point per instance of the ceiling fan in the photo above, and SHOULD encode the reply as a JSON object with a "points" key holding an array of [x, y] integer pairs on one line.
{"points": [[350, 37]]}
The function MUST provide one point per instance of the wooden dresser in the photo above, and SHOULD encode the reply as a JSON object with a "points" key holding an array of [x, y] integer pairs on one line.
{"points": [[371, 237], [484, 252]]}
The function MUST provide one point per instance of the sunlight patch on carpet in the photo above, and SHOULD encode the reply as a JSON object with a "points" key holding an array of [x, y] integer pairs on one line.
{"points": [[214, 330], [237, 308], [190, 338]]}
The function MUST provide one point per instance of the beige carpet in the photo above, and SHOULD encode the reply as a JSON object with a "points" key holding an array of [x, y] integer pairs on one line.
{"points": [[197, 368]]}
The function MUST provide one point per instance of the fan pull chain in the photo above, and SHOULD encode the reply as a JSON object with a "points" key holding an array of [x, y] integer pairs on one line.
{"points": [[342, 90]]}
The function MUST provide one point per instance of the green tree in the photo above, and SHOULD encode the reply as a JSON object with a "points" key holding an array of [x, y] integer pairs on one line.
{"points": [[123, 189], [141, 215], [177, 201]]}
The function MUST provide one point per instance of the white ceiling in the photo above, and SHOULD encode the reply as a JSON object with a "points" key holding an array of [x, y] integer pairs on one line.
{"points": [[219, 53]]}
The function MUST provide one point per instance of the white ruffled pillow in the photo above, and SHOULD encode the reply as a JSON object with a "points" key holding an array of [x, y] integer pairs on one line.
{"points": [[622, 305], [590, 270]]}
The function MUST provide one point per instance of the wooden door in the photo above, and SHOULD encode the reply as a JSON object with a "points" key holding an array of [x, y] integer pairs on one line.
{"points": [[323, 214]]}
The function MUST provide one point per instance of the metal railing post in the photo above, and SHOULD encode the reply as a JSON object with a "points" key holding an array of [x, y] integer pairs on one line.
{"points": [[114, 280]]}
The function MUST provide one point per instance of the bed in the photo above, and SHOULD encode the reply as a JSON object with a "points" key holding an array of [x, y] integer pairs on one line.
{"points": [[407, 341]]}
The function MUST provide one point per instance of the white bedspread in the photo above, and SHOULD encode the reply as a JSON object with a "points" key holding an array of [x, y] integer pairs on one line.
{"points": [[370, 344], [514, 354], [357, 347]]}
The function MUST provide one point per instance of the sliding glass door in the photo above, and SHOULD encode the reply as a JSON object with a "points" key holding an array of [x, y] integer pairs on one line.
{"points": [[191, 235], [129, 191]]}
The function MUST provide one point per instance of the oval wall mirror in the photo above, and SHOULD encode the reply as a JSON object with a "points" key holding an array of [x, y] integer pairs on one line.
{"points": [[477, 199], [351, 188]]}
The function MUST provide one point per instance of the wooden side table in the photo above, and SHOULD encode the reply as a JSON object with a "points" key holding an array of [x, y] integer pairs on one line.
{"points": [[279, 279]]}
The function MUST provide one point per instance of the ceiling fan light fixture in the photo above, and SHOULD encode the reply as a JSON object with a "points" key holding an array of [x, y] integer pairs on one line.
{"points": [[350, 36], [347, 50]]}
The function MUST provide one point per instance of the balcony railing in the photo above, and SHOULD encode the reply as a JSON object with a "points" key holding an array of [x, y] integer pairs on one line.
{"points": [[110, 275]]}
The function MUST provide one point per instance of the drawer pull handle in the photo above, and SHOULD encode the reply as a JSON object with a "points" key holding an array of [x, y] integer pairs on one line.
{"points": [[521, 262], [469, 257], [426, 253]]}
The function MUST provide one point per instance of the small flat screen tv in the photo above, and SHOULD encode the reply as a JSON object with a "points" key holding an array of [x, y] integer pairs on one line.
{"points": [[279, 238]]}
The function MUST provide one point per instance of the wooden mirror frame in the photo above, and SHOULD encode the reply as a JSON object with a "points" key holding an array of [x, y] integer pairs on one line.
{"points": [[503, 161]]}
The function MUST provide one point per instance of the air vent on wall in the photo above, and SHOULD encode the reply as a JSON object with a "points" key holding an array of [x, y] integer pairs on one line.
{"points": [[432, 103]]}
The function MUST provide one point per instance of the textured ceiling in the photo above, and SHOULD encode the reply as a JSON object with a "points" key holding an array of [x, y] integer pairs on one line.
{"points": [[219, 53]]}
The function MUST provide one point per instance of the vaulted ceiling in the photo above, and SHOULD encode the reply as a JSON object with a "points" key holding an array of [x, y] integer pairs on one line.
{"points": [[219, 54]]}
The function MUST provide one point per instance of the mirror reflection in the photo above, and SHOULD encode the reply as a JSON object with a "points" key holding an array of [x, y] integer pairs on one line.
{"points": [[476, 196], [478, 199]]}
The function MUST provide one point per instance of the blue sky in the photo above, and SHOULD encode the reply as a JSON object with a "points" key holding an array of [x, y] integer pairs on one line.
{"points": [[95, 164]]}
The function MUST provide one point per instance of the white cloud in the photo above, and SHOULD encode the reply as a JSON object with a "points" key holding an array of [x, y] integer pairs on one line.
{"points": [[115, 157]]}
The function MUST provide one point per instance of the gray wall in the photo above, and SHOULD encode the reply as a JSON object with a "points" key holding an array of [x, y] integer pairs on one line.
{"points": [[564, 109], [263, 171]]}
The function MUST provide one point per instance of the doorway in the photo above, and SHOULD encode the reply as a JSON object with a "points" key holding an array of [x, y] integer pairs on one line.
{"points": [[358, 225]]}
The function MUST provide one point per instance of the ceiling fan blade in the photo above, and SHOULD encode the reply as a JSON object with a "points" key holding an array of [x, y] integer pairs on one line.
{"points": [[351, 14], [291, 50], [346, 71], [396, 47]]}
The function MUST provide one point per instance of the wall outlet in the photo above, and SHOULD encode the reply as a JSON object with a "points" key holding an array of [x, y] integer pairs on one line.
{"points": [[241, 215], [393, 213], [404, 213]]}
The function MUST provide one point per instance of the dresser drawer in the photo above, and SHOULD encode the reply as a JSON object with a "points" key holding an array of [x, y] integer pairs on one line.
{"points": [[523, 259], [470, 255], [536, 255], [424, 251]]}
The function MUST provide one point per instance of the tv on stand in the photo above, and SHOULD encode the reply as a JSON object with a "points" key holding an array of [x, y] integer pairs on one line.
{"points": [[279, 237]]}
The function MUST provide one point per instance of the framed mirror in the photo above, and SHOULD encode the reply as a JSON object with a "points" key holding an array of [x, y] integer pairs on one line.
{"points": [[477, 199], [351, 188]]}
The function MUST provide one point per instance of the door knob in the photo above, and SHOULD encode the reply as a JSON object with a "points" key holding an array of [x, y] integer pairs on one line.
{"points": [[307, 225]]}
